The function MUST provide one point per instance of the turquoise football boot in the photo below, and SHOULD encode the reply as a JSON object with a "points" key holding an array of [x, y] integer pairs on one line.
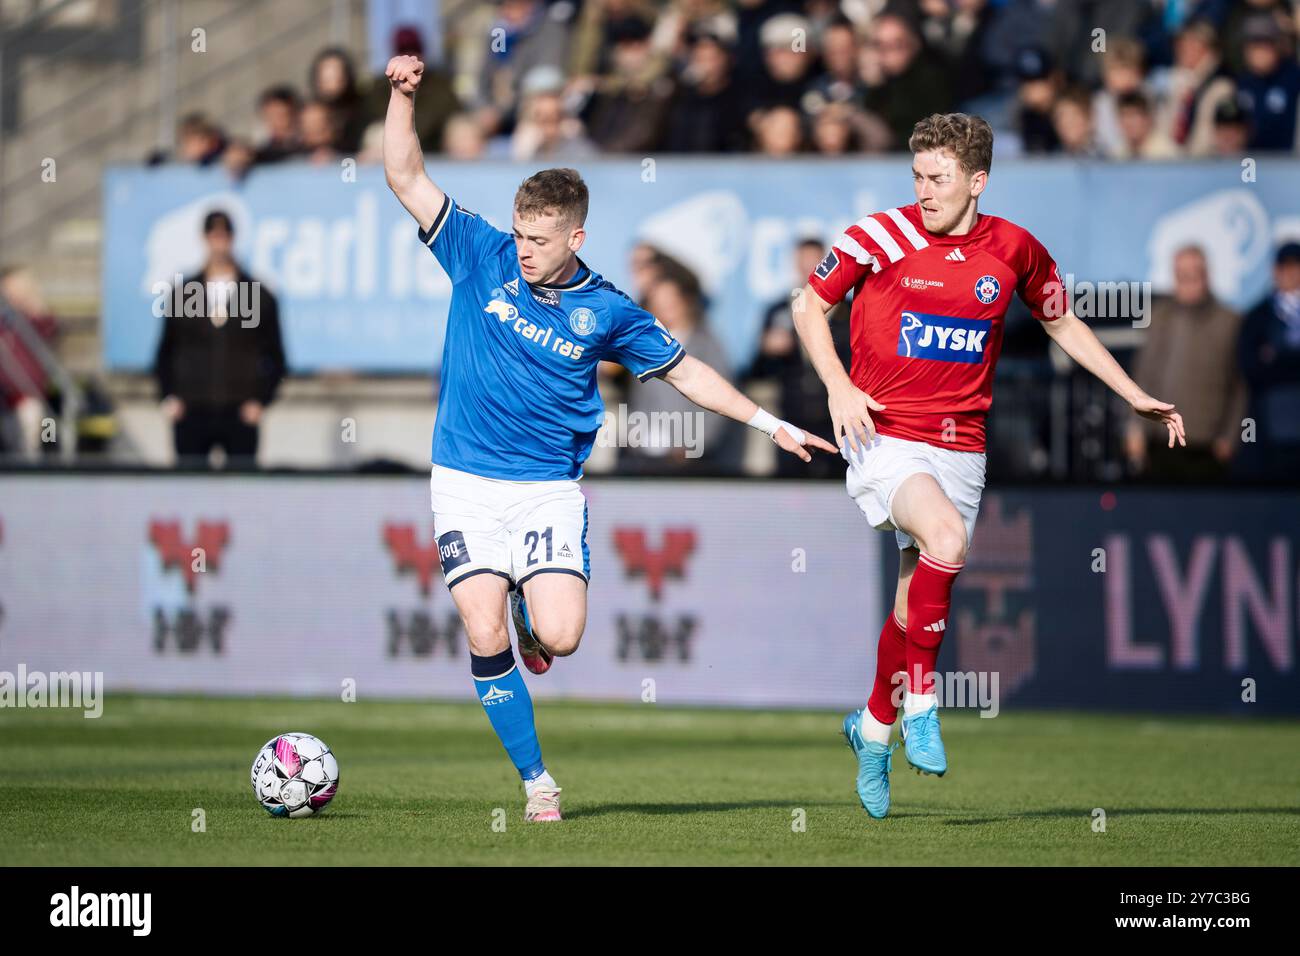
{"points": [[922, 743], [874, 764]]}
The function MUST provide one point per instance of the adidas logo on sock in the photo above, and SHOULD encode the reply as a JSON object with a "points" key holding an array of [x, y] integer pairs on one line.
{"points": [[938, 626], [955, 256]]}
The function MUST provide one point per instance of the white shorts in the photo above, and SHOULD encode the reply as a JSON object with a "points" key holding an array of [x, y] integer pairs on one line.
{"points": [[877, 470], [513, 529]]}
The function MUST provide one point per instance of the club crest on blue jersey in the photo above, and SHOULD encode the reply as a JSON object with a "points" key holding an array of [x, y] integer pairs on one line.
{"points": [[943, 337], [582, 321], [987, 289]]}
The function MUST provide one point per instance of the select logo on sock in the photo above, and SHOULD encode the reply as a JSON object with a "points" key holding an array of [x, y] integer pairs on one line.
{"points": [[495, 695]]}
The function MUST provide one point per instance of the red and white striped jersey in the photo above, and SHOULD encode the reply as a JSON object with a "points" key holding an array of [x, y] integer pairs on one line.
{"points": [[927, 316]]}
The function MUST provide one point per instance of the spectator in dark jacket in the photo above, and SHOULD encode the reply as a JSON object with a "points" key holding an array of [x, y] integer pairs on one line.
{"points": [[705, 116], [333, 82], [1269, 351], [803, 397], [913, 83], [278, 108], [1269, 87], [221, 357]]}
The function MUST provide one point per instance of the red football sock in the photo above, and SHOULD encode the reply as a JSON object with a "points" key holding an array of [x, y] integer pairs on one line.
{"points": [[929, 597], [891, 657]]}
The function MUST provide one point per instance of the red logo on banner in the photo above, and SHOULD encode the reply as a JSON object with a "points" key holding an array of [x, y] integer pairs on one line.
{"points": [[669, 560], [212, 537], [408, 555]]}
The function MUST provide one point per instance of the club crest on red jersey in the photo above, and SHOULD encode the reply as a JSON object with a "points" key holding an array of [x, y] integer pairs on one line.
{"points": [[987, 289]]}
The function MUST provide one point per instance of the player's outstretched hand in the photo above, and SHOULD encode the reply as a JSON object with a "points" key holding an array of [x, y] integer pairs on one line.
{"points": [[405, 73], [1158, 411], [851, 410], [788, 443]]}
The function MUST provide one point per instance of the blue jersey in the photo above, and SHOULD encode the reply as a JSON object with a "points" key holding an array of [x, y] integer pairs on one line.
{"points": [[518, 398]]}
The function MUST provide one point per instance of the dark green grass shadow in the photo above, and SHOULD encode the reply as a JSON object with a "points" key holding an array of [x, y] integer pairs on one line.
{"points": [[670, 809], [1121, 812]]}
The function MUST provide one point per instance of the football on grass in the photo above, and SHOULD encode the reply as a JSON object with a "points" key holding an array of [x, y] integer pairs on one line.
{"points": [[295, 775]]}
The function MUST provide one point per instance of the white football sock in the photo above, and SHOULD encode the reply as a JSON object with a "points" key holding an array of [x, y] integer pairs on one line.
{"points": [[874, 730], [917, 703], [545, 780]]}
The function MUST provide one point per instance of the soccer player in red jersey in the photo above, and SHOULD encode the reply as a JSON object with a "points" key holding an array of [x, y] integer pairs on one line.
{"points": [[931, 284]]}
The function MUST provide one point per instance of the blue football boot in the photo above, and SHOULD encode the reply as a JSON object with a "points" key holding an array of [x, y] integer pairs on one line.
{"points": [[874, 764], [922, 743]]}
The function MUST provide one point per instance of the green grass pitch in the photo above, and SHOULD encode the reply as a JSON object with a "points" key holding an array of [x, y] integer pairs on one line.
{"points": [[643, 784]]}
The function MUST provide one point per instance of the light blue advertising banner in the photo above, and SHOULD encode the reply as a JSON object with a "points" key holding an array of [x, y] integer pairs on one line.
{"points": [[357, 290]]}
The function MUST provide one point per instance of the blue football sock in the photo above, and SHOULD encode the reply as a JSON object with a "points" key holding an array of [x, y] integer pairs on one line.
{"points": [[504, 695]]}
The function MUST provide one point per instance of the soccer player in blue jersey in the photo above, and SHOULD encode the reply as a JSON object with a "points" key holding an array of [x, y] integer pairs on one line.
{"points": [[518, 412]]}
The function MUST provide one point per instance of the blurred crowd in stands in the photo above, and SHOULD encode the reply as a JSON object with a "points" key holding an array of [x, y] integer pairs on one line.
{"points": [[568, 79], [565, 80]]}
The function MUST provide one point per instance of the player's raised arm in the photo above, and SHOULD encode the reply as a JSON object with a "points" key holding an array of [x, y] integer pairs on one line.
{"points": [[703, 385], [403, 160], [850, 407], [1081, 344]]}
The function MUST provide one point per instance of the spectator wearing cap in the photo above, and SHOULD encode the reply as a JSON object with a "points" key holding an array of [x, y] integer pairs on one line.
{"points": [[1231, 130], [1269, 86], [912, 82], [1139, 138], [705, 115], [1188, 356], [435, 104], [1039, 86], [1269, 353], [788, 63], [628, 107], [278, 110], [749, 18], [218, 366], [1197, 83], [1235, 21]]}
